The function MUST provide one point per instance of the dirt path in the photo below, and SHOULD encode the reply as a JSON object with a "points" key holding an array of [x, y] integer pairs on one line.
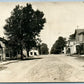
{"points": [[48, 68]]}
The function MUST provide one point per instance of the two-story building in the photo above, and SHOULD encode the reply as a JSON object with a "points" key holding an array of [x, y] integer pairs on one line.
{"points": [[76, 45]]}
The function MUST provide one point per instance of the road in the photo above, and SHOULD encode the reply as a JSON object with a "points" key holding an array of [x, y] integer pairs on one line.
{"points": [[47, 68]]}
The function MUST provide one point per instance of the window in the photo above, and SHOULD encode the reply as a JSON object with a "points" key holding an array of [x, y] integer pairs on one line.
{"points": [[0, 51], [35, 53], [31, 53], [81, 38]]}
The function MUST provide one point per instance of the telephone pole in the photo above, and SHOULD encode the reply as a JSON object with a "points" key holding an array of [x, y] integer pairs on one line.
{"points": [[77, 26]]}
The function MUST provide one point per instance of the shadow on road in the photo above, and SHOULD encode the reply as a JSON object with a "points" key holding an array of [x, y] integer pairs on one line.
{"points": [[80, 58], [9, 62], [2, 68], [18, 60], [31, 58]]}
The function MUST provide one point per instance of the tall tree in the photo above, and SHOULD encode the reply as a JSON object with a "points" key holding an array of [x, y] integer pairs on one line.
{"points": [[58, 46], [23, 26], [12, 29]]}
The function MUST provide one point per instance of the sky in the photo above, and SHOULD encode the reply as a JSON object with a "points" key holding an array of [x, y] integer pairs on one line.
{"points": [[62, 18]]}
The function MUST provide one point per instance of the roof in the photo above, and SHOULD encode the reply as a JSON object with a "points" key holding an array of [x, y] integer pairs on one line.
{"points": [[79, 31]]}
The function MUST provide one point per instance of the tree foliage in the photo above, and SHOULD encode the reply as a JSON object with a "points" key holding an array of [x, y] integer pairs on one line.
{"points": [[3, 40], [72, 36], [44, 49], [58, 46], [23, 26]]}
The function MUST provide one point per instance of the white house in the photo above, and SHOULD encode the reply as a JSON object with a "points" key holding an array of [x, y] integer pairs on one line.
{"points": [[2, 51], [33, 52], [70, 47]]}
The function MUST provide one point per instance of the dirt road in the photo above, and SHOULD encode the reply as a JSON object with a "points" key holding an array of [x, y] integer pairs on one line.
{"points": [[47, 68]]}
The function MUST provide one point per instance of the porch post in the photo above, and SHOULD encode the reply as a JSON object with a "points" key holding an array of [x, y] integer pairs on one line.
{"points": [[4, 55]]}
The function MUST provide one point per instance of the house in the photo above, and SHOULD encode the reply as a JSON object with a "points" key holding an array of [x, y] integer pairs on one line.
{"points": [[33, 52], [2, 51], [70, 47], [76, 45]]}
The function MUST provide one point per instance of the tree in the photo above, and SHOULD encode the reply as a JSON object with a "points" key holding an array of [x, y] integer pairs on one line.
{"points": [[43, 49], [58, 46], [72, 36], [3, 40], [38, 45], [23, 26]]}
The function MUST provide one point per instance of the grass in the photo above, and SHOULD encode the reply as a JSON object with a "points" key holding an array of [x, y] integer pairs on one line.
{"points": [[2, 67]]}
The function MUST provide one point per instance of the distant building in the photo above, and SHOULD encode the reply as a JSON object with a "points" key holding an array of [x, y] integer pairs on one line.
{"points": [[76, 45], [70, 47], [33, 52]]}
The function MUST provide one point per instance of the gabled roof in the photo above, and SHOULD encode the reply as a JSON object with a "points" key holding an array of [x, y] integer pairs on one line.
{"points": [[79, 31]]}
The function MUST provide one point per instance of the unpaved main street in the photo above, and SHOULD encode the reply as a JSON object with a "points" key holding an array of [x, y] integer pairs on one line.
{"points": [[47, 68]]}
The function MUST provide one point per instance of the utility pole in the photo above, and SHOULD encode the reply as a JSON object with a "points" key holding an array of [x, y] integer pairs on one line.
{"points": [[77, 26]]}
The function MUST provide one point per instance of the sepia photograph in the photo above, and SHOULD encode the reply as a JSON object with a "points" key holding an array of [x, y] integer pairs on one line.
{"points": [[42, 41]]}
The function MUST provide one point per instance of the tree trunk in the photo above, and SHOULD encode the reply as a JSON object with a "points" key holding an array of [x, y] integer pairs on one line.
{"points": [[3, 53], [27, 52], [21, 54]]}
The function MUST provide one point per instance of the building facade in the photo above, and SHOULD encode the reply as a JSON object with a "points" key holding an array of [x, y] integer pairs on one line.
{"points": [[2, 51], [33, 52], [76, 45]]}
